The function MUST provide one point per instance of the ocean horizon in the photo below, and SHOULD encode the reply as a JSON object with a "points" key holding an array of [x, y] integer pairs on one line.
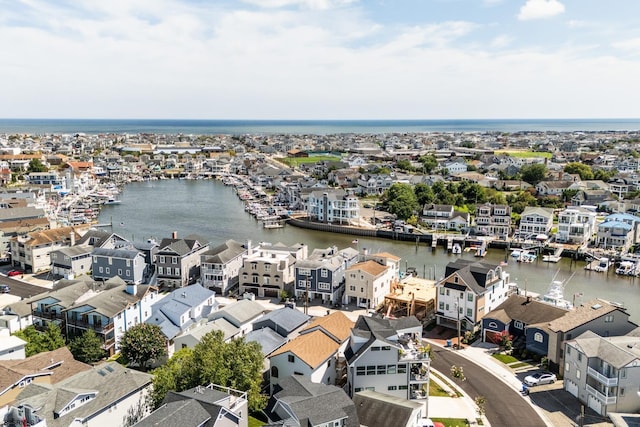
{"points": [[308, 127]]}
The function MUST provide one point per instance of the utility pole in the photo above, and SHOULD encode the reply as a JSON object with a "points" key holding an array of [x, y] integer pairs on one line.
{"points": [[458, 313]]}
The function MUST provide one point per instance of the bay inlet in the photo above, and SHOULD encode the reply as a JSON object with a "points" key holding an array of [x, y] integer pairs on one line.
{"points": [[155, 209]]}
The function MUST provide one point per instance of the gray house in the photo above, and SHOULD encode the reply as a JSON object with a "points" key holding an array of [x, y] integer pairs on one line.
{"points": [[72, 261], [178, 260], [127, 263], [221, 265]]}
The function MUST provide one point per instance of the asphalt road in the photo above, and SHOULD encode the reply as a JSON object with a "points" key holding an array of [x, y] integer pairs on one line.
{"points": [[20, 288], [504, 406]]}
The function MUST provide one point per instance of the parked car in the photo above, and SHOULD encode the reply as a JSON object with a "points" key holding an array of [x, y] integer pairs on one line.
{"points": [[16, 272], [5, 289], [540, 378]]}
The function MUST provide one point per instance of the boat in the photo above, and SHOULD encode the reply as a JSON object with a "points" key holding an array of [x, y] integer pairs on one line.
{"points": [[456, 249], [527, 256], [626, 268], [551, 258], [112, 202], [555, 294]]}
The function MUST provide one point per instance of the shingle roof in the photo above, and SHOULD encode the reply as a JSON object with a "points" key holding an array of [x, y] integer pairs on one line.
{"points": [[370, 267], [180, 413], [287, 319], [378, 409], [313, 348], [336, 324], [268, 339], [239, 312], [526, 310], [583, 314], [225, 252], [617, 351]]}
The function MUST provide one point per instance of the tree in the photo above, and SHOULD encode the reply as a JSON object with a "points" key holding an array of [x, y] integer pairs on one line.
{"points": [[429, 163], [405, 165], [37, 342], [400, 200], [35, 165], [424, 194], [143, 343], [236, 364], [87, 347], [581, 169], [533, 173]]}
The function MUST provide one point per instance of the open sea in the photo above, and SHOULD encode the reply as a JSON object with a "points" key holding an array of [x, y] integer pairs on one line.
{"points": [[307, 127]]}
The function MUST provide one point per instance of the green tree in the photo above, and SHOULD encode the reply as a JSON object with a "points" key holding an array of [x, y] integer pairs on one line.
{"points": [[429, 163], [143, 343], [87, 347], [533, 173], [35, 165], [37, 342], [405, 165], [604, 175], [581, 169], [400, 200], [424, 194]]}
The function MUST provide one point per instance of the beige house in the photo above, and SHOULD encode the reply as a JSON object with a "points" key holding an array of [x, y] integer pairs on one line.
{"points": [[31, 252], [367, 283]]}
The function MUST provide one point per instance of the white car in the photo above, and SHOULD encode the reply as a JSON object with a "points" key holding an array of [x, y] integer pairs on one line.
{"points": [[540, 378]]}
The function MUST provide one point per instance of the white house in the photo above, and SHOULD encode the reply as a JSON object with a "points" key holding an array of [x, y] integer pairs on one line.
{"points": [[366, 284], [11, 347], [576, 225], [535, 221]]}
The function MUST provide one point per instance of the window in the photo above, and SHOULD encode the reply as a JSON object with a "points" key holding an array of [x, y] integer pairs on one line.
{"points": [[446, 307], [360, 370], [392, 387], [441, 306], [441, 290], [324, 273], [518, 324], [493, 325], [161, 270], [391, 369], [469, 312], [274, 371], [381, 370], [162, 259], [107, 270], [402, 368], [608, 318], [119, 272], [579, 357], [371, 370], [100, 269], [352, 288], [291, 358], [470, 297], [448, 292], [168, 271], [537, 337], [324, 286], [267, 267], [621, 391], [578, 373], [566, 368], [174, 260], [402, 387]]}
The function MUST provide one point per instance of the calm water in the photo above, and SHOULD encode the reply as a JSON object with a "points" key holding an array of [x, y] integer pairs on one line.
{"points": [[317, 127], [208, 208]]}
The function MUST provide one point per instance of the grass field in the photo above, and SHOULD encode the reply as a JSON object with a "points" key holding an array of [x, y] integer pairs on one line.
{"points": [[504, 358], [295, 161], [452, 422], [525, 154]]}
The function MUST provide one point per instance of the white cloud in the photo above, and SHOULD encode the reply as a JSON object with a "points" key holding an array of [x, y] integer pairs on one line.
{"points": [[501, 41], [629, 45], [540, 9]]}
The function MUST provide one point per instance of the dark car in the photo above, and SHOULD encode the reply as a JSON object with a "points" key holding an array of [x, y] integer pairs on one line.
{"points": [[5, 289], [16, 272]]}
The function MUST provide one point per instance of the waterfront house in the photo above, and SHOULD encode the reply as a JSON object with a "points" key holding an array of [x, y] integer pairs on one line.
{"points": [[48, 367], [619, 231], [71, 262], [436, 216], [366, 284], [322, 274], [493, 220], [468, 291], [598, 316], [576, 225], [373, 184], [178, 260], [270, 269], [387, 356], [535, 221], [603, 373], [298, 402], [220, 266], [381, 409], [94, 398], [210, 406], [180, 310], [31, 252], [124, 262], [512, 319], [333, 206]]}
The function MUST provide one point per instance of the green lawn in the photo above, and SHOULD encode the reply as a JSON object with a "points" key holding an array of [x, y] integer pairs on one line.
{"points": [[254, 422], [452, 422], [295, 161], [525, 154], [504, 358], [436, 390], [519, 365]]}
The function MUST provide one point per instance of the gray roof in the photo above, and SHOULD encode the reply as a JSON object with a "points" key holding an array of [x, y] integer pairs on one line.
{"points": [[617, 351], [378, 409], [287, 319], [112, 301], [239, 312], [110, 381], [228, 330], [74, 251], [180, 413], [21, 213], [267, 338], [526, 310], [124, 253], [167, 312], [182, 246], [225, 252]]}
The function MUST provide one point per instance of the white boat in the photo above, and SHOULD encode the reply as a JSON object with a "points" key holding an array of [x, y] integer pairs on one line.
{"points": [[456, 249], [551, 258], [626, 268], [527, 257], [555, 295]]}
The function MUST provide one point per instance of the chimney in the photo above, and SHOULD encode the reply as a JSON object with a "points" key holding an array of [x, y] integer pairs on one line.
{"points": [[132, 288], [72, 238], [249, 248], [174, 235]]}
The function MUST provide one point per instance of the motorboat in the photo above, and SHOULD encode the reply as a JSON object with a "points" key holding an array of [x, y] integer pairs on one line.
{"points": [[456, 249]]}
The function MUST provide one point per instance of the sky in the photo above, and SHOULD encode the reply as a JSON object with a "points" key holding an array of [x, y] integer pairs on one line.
{"points": [[319, 59]]}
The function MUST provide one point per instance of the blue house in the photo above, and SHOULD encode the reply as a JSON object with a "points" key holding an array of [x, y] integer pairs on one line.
{"points": [[126, 262]]}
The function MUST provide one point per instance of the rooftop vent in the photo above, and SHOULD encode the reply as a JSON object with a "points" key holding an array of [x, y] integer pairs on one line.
{"points": [[596, 306]]}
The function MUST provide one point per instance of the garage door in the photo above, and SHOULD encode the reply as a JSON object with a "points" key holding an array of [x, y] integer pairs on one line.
{"points": [[571, 387], [595, 404], [492, 337]]}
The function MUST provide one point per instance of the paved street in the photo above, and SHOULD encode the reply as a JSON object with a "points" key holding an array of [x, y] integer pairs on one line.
{"points": [[22, 288]]}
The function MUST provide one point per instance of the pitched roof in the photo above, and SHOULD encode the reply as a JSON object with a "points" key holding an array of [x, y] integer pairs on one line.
{"points": [[583, 314], [526, 310], [268, 339], [285, 319], [618, 351], [336, 324], [178, 413], [225, 252], [239, 312], [313, 348], [378, 409], [371, 267]]}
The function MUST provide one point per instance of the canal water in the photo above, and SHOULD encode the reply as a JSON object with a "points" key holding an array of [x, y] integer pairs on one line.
{"points": [[212, 210]]}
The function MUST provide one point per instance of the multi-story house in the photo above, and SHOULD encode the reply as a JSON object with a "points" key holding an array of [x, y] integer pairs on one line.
{"points": [[493, 220], [125, 262], [270, 269], [242, 314], [576, 225], [321, 275], [366, 283], [220, 266], [436, 216], [31, 252], [181, 309], [51, 178], [604, 372], [369, 185], [71, 262], [178, 260], [535, 221], [380, 409], [468, 292], [386, 355], [618, 231], [333, 206]]}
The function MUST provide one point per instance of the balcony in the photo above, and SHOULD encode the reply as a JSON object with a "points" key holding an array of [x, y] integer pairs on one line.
{"points": [[606, 400], [49, 315], [108, 344], [98, 328], [601, 378]]}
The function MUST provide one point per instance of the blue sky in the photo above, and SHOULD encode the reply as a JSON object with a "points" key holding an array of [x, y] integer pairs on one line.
{"points": [[320, 59]]}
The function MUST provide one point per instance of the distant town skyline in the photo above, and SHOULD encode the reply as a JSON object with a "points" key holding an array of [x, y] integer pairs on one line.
{"points": [[320, 59]]}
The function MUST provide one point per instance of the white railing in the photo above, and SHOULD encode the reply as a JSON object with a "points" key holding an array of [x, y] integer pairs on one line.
{"points": [[609, 382], [607, 400]]}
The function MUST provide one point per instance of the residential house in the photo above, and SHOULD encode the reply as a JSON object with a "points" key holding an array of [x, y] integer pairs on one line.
{"points": [[618, 231], [493, 220], [270, 269], [599, 316], [603, 373], [455, 167], [299, 402], [94, 398], [178, 260], [15, 316], [381, 409], [181, 309], [576, 225], [513, 317], [49, 367], [242, 314], [468, 291], [124, 262], [284, 321], [366, 284], [552, 188], [373, 184], [11, 347], [333, 206], [535, 221], [322, 274], [386, 355], [31, 251], [220, 266], [210, 406], [71, 262], [436, 216]]}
